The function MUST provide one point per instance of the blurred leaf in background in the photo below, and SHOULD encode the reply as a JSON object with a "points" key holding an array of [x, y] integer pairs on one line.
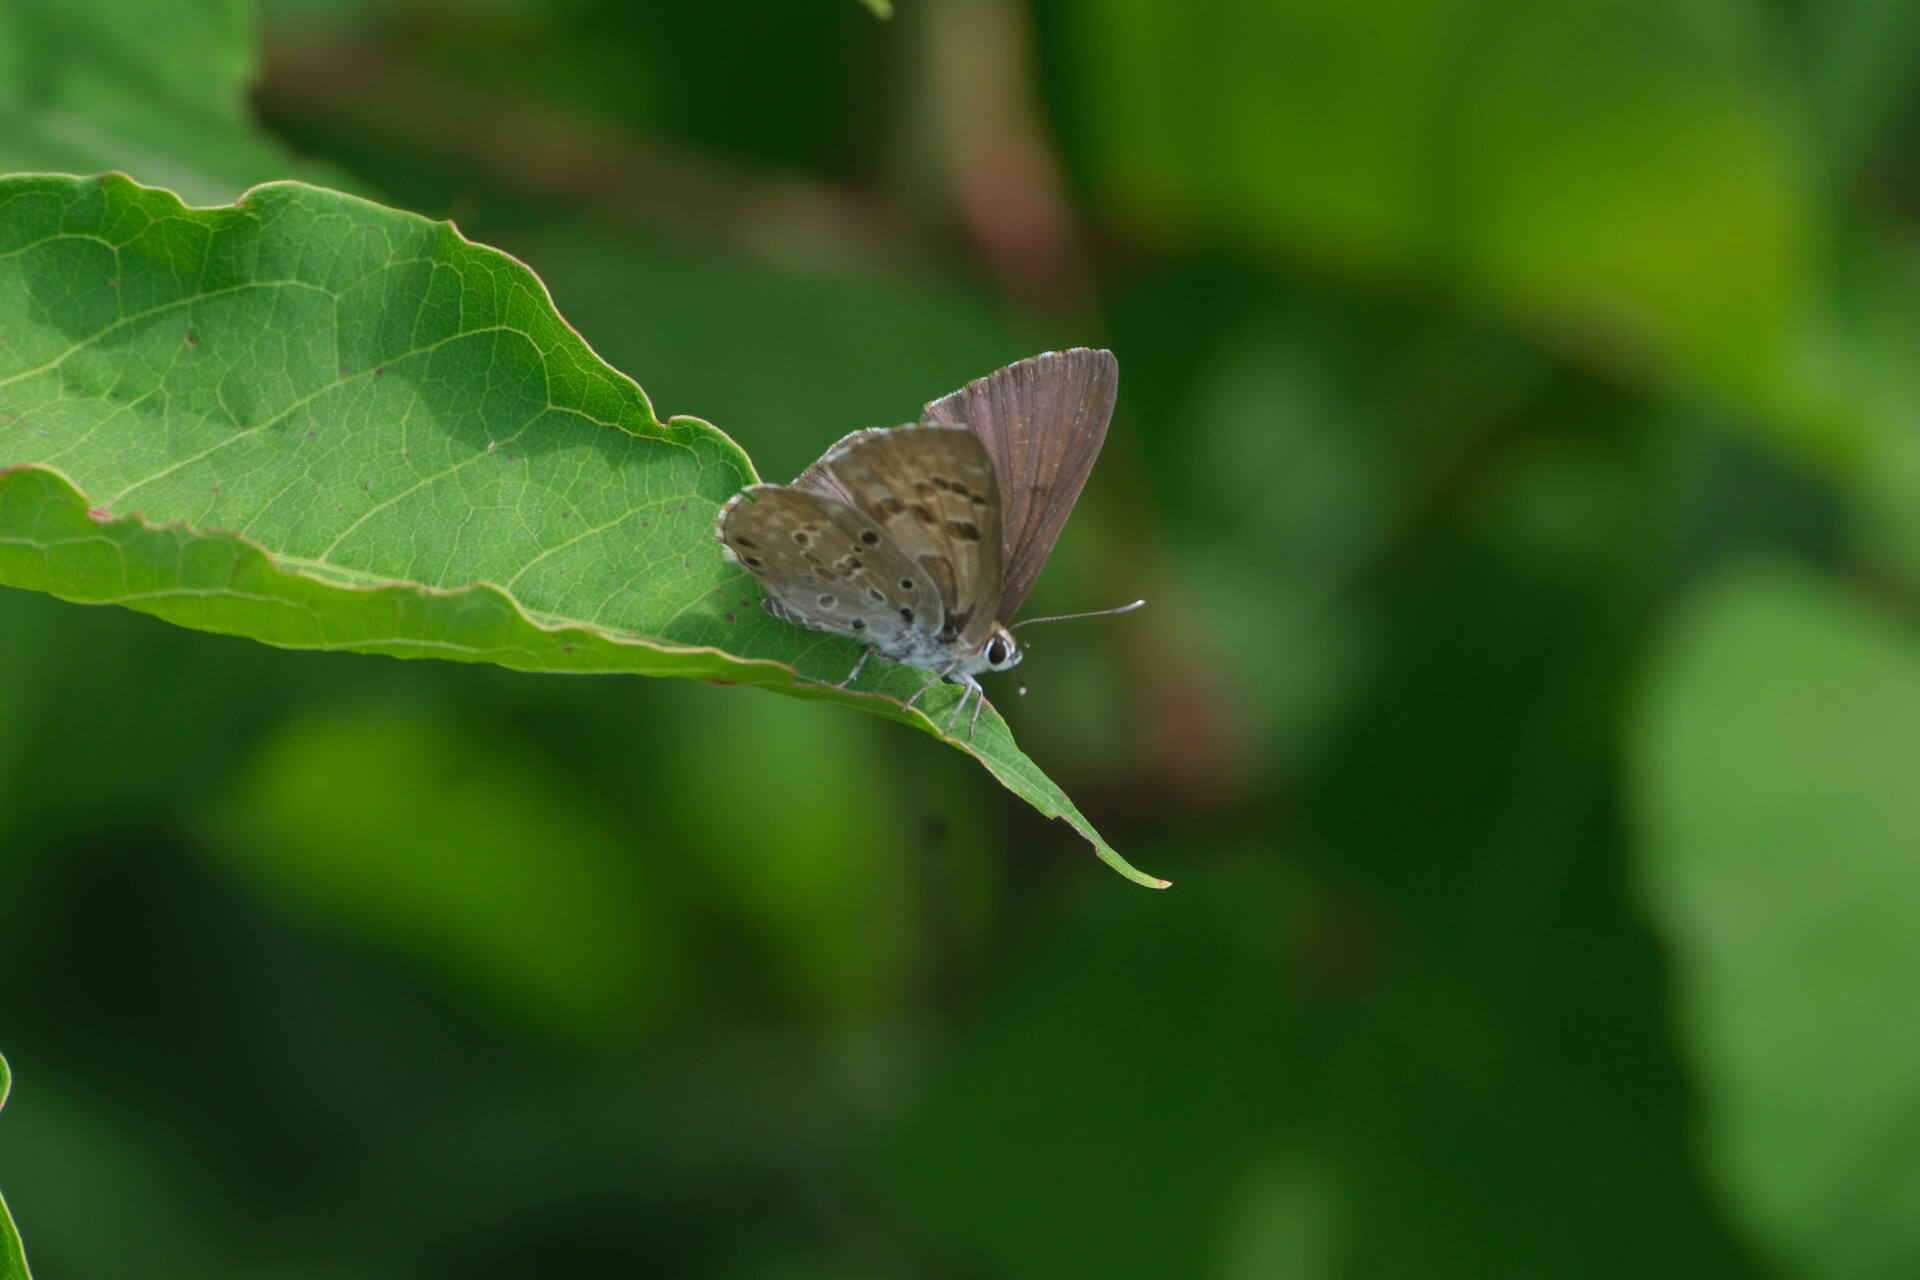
{"points": [[1516, 445], [153, 87], [13, 1260], [1777, 743]]}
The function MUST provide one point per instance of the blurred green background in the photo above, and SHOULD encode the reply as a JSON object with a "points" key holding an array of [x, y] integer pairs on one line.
{"points": [[1516, 442]]}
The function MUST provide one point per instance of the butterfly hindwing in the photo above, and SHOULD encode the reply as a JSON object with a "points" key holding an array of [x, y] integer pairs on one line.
{"points": [[1042, 421], [829, 566], [933, 492]]}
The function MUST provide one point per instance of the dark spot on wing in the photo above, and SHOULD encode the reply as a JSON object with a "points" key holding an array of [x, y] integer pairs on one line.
{"points": [[859, 624], [892, 505], [906, 584], [965, 530], [752, 562], [906, 614], [921, 514], [827, 602], [738, 542], [870, 538]]}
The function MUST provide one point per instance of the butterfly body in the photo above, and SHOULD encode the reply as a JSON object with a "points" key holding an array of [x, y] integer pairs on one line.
{"points": [[920, 541]]}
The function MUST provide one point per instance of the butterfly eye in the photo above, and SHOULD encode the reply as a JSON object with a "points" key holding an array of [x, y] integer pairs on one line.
{"points": [[998, 651]]}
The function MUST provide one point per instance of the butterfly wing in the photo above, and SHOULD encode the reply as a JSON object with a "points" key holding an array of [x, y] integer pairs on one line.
{"points": [[933, 493], [820, 480], [1043, 421], [829, 567]]}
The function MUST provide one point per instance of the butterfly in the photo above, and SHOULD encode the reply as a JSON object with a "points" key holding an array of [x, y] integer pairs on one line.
{"points": [[923, 540]]}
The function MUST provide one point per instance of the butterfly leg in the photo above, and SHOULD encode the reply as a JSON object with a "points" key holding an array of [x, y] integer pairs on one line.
{"points": [[970, 689], [958, 707], [932, 680], [855, 673]]}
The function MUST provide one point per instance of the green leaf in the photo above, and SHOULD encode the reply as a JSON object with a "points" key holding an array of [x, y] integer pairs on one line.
{"points": [[13, 1255], [321, 423], [881, 8], [458, 848], [1636, 175], [156, 88], [1775, 784]]}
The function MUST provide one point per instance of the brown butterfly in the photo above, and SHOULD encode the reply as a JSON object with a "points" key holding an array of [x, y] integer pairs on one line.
{"points": [[923, 540]]}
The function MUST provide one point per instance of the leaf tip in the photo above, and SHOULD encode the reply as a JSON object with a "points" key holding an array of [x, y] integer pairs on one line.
{"points": [[1130, 871]]}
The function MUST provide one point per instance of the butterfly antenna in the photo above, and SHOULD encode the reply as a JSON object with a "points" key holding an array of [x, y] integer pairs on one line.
{"points": [[1069, 617]]}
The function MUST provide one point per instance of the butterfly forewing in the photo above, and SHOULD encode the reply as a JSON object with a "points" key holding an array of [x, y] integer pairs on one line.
{"points": [[830, 566], [1042, 420], [933, 493]]}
